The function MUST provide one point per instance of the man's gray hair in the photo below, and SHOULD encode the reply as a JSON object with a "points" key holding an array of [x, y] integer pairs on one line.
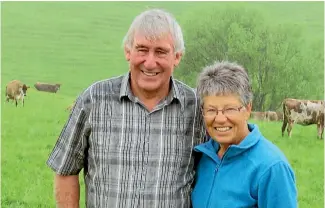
{"points": [[154, 24], [225, 78]]}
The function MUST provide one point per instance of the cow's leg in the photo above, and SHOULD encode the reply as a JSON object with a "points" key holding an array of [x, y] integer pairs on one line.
{"points": [[289, 129], [16, 102], [284, 125], [320, 131]]}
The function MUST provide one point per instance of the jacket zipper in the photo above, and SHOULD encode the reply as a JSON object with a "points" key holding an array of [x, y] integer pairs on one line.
{"points": [[214, 177]]}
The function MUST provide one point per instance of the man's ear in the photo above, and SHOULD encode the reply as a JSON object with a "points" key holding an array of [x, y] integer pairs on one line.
{"points": [[178, 57], [127, 53]]}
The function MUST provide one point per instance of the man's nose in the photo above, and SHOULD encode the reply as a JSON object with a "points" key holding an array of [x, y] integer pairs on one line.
{"points": [[150, 61]]}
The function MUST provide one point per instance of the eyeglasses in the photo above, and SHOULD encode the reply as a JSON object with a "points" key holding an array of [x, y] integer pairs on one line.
{"points": [[213, 112]]}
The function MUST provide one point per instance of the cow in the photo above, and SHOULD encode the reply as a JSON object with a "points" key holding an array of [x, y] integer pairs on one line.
{"points": [[258, 115], [70, 107], [280, 115], [271, 116], [303, 112], [46, 87], [16, 90]]}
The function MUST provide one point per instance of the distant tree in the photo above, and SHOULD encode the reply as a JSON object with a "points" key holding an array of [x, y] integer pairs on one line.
{"points": [[273, 56]]}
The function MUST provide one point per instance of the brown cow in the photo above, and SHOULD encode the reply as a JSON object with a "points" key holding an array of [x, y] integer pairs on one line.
{"points": [[16, 90], [303, 112], [280, 115], [46, 87], [271, 116], [70, 107], [258, 115]]}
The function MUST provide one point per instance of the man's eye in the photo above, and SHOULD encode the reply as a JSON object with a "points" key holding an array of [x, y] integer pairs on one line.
{"points": [[161, 52]]}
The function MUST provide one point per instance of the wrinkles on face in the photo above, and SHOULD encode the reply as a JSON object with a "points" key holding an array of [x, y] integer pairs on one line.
{"points": [[230, 129], [151, 65]]}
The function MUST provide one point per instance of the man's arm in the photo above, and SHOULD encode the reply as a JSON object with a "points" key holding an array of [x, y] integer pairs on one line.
{"points": [[67, 191], [68, 155]]}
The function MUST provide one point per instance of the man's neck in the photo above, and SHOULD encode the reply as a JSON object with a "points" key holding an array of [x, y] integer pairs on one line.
{"points": [[150, 98]]}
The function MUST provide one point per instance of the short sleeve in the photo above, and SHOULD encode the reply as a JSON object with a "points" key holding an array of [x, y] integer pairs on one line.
{"points": [[68, 154], [277, 188]]}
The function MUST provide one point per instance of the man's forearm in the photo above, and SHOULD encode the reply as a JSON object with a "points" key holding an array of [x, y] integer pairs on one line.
{"points": [[67, 191]]}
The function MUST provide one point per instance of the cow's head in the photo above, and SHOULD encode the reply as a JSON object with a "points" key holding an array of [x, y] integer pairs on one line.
{"points": [[57, 86], [24, 89]]}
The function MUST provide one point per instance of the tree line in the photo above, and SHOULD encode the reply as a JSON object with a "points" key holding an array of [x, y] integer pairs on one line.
{"points": [[279, 61]]}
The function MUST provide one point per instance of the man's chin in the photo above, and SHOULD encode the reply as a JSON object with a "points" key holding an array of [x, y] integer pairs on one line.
{"points": [[150, 89]]}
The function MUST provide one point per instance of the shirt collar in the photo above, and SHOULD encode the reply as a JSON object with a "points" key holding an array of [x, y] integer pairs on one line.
{"points": [[125, 86], [174, 93]]}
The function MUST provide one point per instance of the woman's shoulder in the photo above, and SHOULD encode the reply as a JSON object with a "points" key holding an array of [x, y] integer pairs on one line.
{"points": [[266, 154]]}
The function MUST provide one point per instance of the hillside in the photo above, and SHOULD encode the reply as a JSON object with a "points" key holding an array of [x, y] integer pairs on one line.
{"points": [[77, 43]]}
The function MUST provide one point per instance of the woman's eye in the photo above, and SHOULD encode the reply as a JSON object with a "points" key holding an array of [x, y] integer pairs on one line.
{"points": [[230, 109]]}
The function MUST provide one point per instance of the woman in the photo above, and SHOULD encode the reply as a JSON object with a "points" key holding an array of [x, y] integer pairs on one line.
{"points": [[238, 167]]}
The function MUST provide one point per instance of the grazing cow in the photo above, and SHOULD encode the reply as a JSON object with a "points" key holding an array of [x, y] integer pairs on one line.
{"points": [[258, 115], [280, 115], [46, 87], [70, 107], [303, 112], [271, 116], [16, 90]]}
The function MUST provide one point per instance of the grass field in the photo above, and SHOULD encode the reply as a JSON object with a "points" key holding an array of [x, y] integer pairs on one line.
{"points": [[77, 43]]}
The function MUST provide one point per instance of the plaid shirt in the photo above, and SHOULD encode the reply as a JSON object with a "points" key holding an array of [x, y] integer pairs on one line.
{"points": [[131, 157]]}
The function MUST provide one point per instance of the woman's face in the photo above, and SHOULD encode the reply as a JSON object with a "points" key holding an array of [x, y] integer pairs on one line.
{"points": [[230, 125]]}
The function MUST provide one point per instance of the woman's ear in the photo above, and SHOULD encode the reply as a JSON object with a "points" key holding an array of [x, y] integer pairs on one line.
{"points": [[248, 110]]}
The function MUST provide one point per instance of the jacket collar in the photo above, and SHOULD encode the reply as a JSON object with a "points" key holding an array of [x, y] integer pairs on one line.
{"points": [[211, 147]]}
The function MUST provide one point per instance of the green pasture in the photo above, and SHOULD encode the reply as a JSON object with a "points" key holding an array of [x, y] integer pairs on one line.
{"points": [[77, 43]]}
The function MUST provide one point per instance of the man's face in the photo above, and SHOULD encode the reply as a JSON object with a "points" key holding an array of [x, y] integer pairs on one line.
{"points": [[151, 63]]}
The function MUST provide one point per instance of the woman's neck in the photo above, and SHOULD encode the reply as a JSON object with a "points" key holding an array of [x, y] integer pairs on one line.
{"points": [[222, 149]]}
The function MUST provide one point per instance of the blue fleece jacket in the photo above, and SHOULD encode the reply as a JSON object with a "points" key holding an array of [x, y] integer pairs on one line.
{"points": [[254, 173]]}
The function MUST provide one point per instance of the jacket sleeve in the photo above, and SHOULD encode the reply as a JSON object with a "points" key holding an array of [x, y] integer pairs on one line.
{"points": [[277, 188]]}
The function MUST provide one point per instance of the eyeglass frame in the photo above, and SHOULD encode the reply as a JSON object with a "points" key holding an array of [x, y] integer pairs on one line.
{"points": [[222, 110]]}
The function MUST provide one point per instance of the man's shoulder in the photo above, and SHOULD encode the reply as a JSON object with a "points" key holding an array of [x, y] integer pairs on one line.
{"points": [[110, 82], [185, 89], [103, 87]]}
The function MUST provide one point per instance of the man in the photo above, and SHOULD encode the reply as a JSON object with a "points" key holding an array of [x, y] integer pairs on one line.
{"points": [[133, 135]]}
